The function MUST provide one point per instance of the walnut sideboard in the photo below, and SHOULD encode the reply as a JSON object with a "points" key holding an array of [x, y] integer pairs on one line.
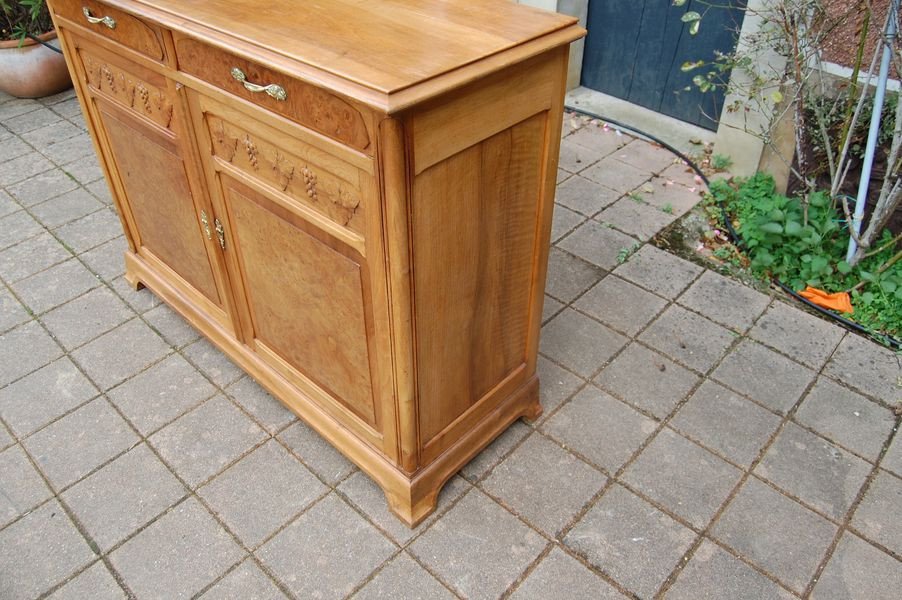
{"points": [[351, 199]]}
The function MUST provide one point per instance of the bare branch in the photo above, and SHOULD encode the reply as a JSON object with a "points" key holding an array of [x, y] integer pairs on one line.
{"points": [[845, 209]]}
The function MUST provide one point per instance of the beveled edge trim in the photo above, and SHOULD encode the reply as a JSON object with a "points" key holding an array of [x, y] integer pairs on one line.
{"points": [[383, 100]]}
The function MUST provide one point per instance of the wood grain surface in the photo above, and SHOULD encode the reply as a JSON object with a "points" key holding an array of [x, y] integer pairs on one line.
{"points": [[378, 267]]}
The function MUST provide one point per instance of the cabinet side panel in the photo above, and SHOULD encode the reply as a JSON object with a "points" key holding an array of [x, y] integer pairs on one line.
{"points": [[474, 233]]}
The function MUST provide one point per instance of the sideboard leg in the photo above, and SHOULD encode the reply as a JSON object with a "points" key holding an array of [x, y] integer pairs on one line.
{"points": [[131, 267], [133, 281], [409, 506], [533, 409]]}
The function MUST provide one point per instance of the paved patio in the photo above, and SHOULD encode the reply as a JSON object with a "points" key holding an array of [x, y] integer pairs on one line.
{"points": [[700, 439]]}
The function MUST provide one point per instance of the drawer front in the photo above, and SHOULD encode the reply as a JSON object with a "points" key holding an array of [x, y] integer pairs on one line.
{"points": [[310, 176], [305, 104], [115, 25]]}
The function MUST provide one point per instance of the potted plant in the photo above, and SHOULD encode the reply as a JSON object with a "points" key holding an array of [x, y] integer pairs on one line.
{"points": [[31, 65]]}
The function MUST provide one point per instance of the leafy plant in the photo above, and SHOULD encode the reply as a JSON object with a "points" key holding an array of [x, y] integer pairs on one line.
{"points": [[780, 62], [781, 243], [23, 18], [668, 208], [728, 253], [625, 253], [721, 162]]}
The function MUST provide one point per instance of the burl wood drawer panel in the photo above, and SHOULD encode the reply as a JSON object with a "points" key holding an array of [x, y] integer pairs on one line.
{"points": [[305, 104], [114, 24]]}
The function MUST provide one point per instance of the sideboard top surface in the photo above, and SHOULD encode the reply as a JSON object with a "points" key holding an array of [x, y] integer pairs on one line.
{"points": [[384, 46]]}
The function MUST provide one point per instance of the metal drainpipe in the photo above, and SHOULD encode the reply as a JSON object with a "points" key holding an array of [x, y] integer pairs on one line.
{"points": [[874, 131]]}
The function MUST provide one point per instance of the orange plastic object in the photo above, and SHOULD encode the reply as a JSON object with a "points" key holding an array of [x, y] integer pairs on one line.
{"points": [[839, 301]]}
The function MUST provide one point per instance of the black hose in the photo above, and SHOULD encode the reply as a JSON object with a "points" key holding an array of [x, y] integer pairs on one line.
{"points": [[735, 238], [887, 340], [43, 43]]}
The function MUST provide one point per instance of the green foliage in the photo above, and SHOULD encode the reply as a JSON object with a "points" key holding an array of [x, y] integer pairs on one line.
{"points": [[834, 112], [668, 208], [21, 18], [625, 253], [728, 253], [692, 17], [781, 243], [721, 162]]}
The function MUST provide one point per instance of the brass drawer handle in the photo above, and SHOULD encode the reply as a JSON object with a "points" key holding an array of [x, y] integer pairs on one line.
{"points": [[108, 21], [274, 90]]}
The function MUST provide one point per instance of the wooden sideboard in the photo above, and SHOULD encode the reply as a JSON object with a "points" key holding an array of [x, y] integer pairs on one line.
{"points": [[352, 200]]}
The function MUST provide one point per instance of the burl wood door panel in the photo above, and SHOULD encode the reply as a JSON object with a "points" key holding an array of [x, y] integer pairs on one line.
{"points": [[307, 298], [159, 198], [476, 210]]}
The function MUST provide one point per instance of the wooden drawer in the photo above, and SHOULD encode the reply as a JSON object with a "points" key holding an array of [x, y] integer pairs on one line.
{"points": [[114, 24], [305, 104], [313, 176]]}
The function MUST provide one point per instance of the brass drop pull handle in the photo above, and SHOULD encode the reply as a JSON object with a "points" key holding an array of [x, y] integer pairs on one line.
{"points": [[206, 223], [108, 21], [274, 90], [220, 233]]}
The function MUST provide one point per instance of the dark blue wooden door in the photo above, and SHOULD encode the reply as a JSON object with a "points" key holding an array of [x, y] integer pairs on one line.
{"points": [[635, 49]]}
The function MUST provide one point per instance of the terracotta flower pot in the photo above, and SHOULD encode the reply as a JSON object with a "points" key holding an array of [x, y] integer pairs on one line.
{"points": [[32, 71]]}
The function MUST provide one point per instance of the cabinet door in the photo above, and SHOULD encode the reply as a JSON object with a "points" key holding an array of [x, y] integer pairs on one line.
{"points": [[307, 302], [141, 129]]}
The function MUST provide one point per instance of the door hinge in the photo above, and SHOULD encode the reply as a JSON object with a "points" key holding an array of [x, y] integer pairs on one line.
{"points": [[220, 233]]}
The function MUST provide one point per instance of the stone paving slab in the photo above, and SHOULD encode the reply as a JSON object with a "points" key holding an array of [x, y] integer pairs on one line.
{"points": [[724, 301], [544, 484], [478, 548], [812, 469], [713, 568], [879, 516], [858, 570], [630, 540], [847, 418], [403, 577], [327, 552], [726, 423], [41, 550], [245, 581], [700, 439], [124, 495], [559, 571], [688, 480], [621, 305], [177, 555], [775, 533], [647, 380]]}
